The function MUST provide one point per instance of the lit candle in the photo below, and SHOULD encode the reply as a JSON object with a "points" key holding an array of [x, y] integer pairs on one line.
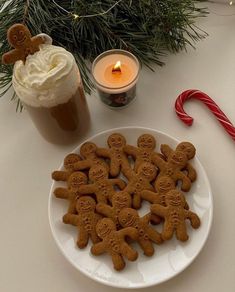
{"points": [[116, 73]]}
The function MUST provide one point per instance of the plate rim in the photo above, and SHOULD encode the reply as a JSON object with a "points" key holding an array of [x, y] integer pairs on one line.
{"points": [[143, 284]]}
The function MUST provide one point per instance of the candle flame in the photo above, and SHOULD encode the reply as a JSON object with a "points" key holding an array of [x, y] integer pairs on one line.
{"points": [[117, 67]]}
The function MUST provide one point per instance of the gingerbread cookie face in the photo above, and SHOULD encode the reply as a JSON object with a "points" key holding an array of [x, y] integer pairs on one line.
{"points": [[18, 35], [148, 171], [164, 184], [116, 140], [178, 158], [146, 141], [70, 159], [188, 148], [76, 180], [121, 200], [104, 227], [85, 204], [87, 149], [175, 198], [98, 172]]}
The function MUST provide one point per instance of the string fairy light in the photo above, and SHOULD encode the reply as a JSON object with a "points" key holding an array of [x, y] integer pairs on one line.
{"points": [[76, 16]]}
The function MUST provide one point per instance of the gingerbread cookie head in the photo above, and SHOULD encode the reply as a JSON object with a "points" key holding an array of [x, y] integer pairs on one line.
{"points": [[164, 184], [98, 173], [104, 227], [85, 204], [175, 198], [147, 142], [116, 140], [188, 148], [147, 170], [128, 217], [77, 179], [178, 158], [87, 149], [121, 200], [18, 35], [70, 159]]}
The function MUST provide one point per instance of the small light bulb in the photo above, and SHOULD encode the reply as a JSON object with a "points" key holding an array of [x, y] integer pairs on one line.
{"points": [[231, 3], [75, 16]]}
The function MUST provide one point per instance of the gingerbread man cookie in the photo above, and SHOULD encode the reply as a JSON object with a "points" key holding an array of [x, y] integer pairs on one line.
{"points": [[113, 242], [120, 200], [71, 194], [102, 186], [130, 218], [19, 37], [85, 221], [173, 168], [116, 154], [146, 145], [190, 152], [88, 151], [175, 215], [69, 160], [140, 181]]}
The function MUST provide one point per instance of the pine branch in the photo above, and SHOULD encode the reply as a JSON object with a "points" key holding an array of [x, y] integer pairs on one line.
{"points": [[147, 28]]}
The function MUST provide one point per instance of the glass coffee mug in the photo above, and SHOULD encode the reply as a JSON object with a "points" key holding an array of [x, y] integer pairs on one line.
{"points": [[50, 87]]}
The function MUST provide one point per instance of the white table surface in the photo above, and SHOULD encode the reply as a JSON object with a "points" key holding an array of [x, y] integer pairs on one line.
{"points": [[29, 257]]}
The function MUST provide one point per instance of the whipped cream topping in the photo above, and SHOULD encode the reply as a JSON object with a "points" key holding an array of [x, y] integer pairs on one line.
{"points": [[49, 77]]}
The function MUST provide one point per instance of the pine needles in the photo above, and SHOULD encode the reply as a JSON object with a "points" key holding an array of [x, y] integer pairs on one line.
{"points": [[147, 28]]}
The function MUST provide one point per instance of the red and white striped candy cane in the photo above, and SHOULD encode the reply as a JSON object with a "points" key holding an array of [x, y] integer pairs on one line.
{"points": [[196, 94]]}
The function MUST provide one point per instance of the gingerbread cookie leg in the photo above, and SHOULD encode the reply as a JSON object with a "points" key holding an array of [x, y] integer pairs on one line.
{"points": [[168, 231], [181, 232], [98, 248], [83, 237], [94, 236], [118, 262], [129, 252], [118, 182], [154, 235], [146, 246], [72, 207], [136, 201]]}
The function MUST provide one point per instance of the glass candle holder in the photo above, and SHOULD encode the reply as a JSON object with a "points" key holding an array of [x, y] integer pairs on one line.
{"points": [[116, 73]]}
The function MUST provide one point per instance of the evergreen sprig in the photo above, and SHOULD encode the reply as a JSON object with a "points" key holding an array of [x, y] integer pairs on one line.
{"points": [[147, 28]]}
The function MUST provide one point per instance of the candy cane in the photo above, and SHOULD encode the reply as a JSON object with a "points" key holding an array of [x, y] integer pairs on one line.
{"points": [[196, 94]]}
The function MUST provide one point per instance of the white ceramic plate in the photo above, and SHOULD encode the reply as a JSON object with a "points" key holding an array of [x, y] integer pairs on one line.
{"points": [[169, 259]]}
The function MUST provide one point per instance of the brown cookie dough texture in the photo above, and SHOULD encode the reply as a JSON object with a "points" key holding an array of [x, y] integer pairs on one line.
{"points": [[88, 152], [137, 182], [146, 145], [115, 153], [85, 221], [146, 234], [71, 193], [69, 160], [190, 151], [101, 185], [114, 243], [120, 200], [19, 37], [174, 215], [173, 167]]}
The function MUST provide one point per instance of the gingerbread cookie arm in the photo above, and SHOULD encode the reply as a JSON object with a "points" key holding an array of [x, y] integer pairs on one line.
{"points": [[129, 231], [158, 161], [71, 219], [131, 150], [154, 235], [104, 209], [192, 174], [60, 175], [159, 210], [87, 189], [129, 252], [129, 173], [80, 165], [36, 41], [13, 56], [62, 193], [103, 152], [146, 218], [118, 182], [98, 248], [194, 219], [150, 197], [166, 150], [186, 183]]}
